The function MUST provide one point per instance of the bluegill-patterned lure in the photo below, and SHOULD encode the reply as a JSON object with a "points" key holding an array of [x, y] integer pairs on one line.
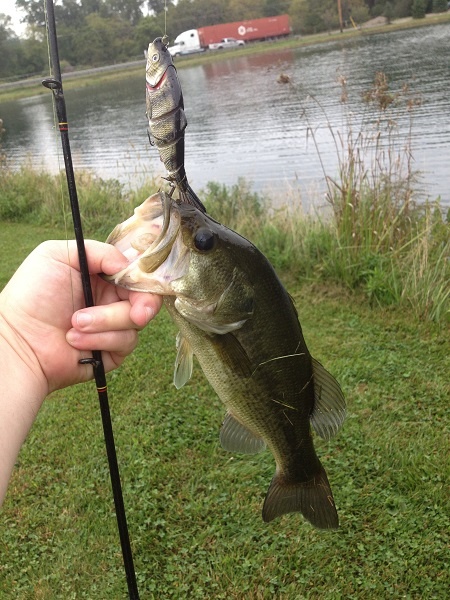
{"points": [[166, 117]]}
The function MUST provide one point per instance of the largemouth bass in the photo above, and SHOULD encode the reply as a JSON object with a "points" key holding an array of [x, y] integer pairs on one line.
{"points": [[236, 317], [166, 118]]}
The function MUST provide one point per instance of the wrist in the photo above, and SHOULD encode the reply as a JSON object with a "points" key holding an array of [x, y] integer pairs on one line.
{"points": [[23, 390], [19, 363]]}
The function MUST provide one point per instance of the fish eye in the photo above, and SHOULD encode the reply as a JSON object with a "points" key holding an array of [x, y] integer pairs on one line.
{"points": [[155, 57], [204, 239]]}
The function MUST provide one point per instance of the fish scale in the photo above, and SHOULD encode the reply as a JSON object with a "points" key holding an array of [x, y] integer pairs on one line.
{"points": [[236, 317]]}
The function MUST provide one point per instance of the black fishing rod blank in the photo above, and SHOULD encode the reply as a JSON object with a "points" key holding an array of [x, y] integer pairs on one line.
{"points": [[54, 83]]}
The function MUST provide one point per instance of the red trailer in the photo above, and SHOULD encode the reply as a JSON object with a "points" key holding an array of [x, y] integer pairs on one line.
{"points": [[253, 29]]}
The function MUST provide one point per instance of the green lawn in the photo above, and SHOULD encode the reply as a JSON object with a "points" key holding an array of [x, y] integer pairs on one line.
{"points": [[194, 510]]}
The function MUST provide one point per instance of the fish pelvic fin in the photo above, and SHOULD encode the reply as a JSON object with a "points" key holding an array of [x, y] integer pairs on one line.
{"points": [[313, 499], [188, 196], [184, 362]]}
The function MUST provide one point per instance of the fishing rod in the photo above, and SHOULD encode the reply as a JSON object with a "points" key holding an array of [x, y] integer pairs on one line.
{"points": [[54, 83]]}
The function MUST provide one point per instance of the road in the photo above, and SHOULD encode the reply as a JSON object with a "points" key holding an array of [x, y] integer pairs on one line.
{"points": [[72, 75]]}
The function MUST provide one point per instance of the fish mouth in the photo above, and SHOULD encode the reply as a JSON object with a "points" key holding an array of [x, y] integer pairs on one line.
{"points": [[151, 240]]}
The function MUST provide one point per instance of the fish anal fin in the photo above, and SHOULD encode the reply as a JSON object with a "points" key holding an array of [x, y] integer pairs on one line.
{"points": [[236, 437], [329, 403], [184, 362], [313, 499]]}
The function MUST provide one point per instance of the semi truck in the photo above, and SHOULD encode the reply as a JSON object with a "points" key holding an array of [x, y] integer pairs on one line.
{"points": [[199, 40]]}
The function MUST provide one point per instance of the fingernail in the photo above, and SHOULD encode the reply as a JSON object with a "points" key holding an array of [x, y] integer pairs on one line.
{"points": [[84, 319]]}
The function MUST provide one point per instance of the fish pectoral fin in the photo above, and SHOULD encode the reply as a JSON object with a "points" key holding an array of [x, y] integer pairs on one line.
{"points": [[184, 362], [203, 318], [224, 310], [313, 499], [329, 403], [236, 437], [234, 355]]}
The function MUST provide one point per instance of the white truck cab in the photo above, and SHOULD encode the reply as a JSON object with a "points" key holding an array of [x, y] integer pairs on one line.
{"points": [[187, 42]]}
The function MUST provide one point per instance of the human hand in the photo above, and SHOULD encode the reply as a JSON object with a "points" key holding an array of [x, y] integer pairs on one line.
{"points": [[44, 319]]}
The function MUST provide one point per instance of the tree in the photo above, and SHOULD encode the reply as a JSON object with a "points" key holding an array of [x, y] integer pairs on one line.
{"points": [[103, 41], [402, 8], [440, 6], [70, 14], [35, 11], [34, 53], [245, 9], [418, 9], [357, 10], [157, 7], [388, 11], [147, 30], [272, 8], [297, 11], [211, 12], [128, 10], [8, 47], [181, 17]]}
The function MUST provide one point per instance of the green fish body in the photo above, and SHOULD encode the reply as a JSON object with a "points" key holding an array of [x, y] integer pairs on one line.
{"points": [[236, 317]]}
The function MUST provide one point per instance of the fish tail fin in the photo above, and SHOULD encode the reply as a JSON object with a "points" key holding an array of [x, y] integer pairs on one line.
{"points": [[312, 498], [188, 195]]}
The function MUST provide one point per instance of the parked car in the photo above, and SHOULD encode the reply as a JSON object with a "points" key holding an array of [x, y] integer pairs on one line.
{"points": [[226, 43]]}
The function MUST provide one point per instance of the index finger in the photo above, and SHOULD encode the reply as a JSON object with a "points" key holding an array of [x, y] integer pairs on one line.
{"points": [[101, 257]]}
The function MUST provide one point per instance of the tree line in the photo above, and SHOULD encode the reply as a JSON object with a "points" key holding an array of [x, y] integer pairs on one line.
{"points": [[99, 32]]}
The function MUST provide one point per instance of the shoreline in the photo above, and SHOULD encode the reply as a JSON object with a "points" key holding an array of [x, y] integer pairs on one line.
{"points": [[10, 91]]}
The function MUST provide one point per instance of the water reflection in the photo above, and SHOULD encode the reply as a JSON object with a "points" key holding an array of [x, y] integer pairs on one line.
{"points": [[242, 123]]}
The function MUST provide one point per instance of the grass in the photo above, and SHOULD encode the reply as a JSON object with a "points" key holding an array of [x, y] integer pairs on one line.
{"points": [[194, 510], [31, 196], [371, 283]]}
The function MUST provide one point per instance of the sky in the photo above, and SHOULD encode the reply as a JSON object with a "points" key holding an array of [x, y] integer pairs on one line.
{"points": [[8, 7]]}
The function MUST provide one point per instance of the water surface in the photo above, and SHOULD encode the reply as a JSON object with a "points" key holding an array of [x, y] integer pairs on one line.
{"points": [[242, 123]]}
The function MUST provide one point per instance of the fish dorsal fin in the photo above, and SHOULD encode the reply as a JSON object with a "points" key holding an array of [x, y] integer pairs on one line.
{"points": [[329, 403], [184, 362], [235, 437]]}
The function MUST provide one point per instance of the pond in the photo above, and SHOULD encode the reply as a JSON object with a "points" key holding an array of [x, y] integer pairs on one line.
{"points": [[243, 123]]}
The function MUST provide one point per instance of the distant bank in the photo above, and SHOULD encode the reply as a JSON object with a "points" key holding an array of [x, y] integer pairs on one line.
{"points": [[32, 86]]}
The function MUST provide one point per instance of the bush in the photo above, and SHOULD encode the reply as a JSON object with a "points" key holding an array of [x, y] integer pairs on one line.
{"points": [[440, 6], [32, 196], [418, 9]]}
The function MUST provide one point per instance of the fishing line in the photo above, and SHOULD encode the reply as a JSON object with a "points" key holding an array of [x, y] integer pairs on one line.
{"points": [[60, 175], [54, 83], [165, 18]]}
